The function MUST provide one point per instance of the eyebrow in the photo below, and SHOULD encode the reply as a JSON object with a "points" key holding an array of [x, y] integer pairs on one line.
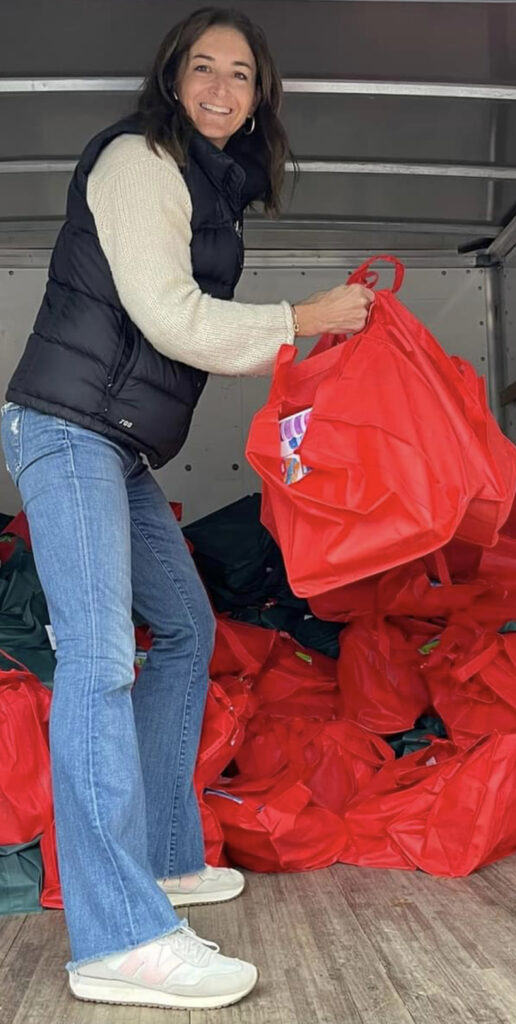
{"points": [[237, 63]]}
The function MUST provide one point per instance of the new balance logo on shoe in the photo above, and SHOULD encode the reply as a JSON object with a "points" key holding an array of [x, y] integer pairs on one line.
{"points": [[152, 967]]}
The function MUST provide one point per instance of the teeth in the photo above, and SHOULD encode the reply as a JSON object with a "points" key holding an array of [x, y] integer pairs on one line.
{"points": [[216, 110]]}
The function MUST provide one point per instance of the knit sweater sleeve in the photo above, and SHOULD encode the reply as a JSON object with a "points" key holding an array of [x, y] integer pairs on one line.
{"points": [[142, 211]]}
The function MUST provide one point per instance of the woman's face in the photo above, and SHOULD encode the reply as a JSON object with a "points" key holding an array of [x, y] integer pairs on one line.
{"points": [[217, 86]]}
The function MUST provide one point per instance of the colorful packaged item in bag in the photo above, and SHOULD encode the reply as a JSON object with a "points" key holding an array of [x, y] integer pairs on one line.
{"points": [[292, 431]]}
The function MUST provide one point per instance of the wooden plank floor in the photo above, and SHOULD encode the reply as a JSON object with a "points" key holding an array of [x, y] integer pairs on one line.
{"points": [[342, 946]]}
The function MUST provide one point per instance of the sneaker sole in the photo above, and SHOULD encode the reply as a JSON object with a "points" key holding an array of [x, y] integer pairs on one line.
{"points": [[193, 899], [92, 990]]}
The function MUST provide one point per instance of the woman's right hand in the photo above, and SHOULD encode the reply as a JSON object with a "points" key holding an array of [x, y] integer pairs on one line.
{"points": [[341, 310]]}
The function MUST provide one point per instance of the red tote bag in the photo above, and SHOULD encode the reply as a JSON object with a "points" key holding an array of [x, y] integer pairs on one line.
{"points": [[334, 759], [444, 811], [471, 677], [381, 687], [403, 451], [297, 681], [240, 649], [273, 825], [26, 807]]}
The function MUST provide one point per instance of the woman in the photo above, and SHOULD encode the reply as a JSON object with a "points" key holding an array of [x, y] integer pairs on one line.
{"points": [[134, 316]]}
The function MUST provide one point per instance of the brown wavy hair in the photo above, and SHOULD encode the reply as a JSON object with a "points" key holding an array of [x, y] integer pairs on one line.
{"points": [[165, 121]]}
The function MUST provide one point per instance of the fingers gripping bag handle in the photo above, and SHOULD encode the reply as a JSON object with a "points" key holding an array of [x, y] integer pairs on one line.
{"points": [[363, 275]]}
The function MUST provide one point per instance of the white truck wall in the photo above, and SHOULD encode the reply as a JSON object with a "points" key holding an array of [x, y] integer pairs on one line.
{"points": [[211, 469]]}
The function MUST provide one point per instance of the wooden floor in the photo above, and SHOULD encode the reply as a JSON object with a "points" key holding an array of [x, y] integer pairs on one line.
{"points": [[342, 946]]}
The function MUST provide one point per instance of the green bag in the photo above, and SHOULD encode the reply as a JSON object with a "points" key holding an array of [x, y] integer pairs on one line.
{"points": [[240, 563], [24, 615], [21, 878]]}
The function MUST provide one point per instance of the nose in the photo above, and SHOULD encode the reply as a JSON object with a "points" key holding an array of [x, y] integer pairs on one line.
{"points": [[218, 85]]}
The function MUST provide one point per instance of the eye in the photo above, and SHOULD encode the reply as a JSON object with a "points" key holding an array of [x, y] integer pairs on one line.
{"points": [[242, 75], [201, 67]]}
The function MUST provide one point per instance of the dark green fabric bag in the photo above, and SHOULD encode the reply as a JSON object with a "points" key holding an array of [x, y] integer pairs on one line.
{"points": [[237, 558], [24, 615], [243, 571], [21, 878]]}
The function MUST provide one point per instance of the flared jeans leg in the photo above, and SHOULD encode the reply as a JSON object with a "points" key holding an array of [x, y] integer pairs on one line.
{"points": [[73, 486], [169, 696]]}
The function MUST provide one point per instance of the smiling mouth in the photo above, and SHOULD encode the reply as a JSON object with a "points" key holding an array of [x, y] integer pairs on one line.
{"points": [[211, 109]]}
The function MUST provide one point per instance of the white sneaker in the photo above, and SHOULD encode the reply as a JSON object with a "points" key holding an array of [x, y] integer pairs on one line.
{"points": [[179, 971], [211, 885]]}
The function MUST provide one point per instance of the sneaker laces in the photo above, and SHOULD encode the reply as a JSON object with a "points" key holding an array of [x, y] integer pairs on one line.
{"points": [[196, 949]]}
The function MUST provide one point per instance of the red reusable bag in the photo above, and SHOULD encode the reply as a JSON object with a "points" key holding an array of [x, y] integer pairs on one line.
{"points": [[381, 686], [20, 528], [297, 681], [334, 759], [240, 649], [403, 451], [51, 893], [273, 825], [444, 811], [471, 678], [26, 808], [409, 590], [222, 733], [424, 588], [498, 567]]}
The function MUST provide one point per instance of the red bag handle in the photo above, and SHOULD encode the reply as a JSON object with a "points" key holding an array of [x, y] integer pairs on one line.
{"points": [[362, 275], [477, 662]]}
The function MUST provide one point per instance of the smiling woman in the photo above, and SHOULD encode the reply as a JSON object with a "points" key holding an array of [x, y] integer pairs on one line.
{"points": [[136, 313], [217, 84], [220, 58]]}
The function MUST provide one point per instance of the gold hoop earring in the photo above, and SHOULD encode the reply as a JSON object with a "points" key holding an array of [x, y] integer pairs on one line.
{"points": [[253, 125]]}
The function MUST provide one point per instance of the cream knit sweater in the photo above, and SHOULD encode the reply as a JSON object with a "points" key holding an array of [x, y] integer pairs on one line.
{"points": [[142, 211]]}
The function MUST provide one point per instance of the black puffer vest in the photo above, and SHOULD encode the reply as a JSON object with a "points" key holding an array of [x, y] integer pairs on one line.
{"points": [[86, 360]]}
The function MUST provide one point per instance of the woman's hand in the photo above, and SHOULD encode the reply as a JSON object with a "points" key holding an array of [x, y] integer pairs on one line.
{"points": [[341, 310]]}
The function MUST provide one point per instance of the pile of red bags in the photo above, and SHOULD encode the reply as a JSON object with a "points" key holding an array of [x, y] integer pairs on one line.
{"points": [[311, 779], [295, 769]]}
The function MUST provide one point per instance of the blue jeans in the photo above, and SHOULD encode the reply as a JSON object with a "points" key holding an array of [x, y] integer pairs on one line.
{"points": [[104, 541]]}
